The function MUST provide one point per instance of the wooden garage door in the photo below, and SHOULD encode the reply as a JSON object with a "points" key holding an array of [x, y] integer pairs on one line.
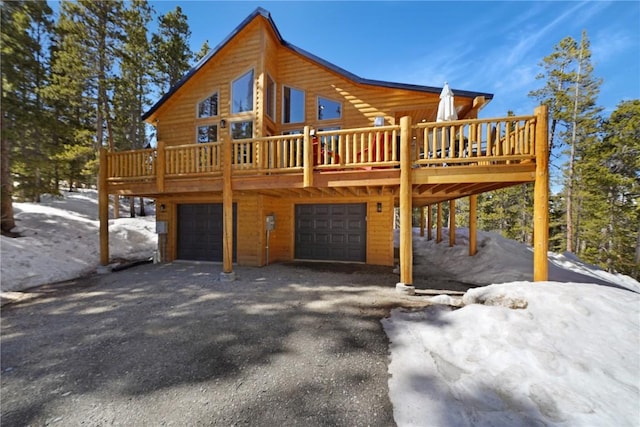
{"points": [[332, 232], [200, 231]]}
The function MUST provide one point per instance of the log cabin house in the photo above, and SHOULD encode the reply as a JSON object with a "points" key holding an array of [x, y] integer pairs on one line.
{"points": [[267, 153]]}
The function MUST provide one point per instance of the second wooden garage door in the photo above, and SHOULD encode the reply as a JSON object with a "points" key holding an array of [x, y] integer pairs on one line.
{"points": [[331, 232]]}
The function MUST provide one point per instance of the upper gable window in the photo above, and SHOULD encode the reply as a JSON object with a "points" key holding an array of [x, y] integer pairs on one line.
{"points": [[270, 98], [208, 107], [242, 93], [292, 105], [328, 109]]}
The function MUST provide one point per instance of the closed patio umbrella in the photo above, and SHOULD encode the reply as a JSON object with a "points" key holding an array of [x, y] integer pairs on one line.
{"points": [[446, 107], [446, 112]]}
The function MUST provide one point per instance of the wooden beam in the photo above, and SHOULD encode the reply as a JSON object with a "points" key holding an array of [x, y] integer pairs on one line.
{"points": [[493, 173], [160, 166], [422, 221], [116, 206], [103, 208], [308, 158], [455, 188], [439, 223], [429, 223], [452, 222], [473, 224], [423, 188], [541, 197], [227, 212], [406, 238]]}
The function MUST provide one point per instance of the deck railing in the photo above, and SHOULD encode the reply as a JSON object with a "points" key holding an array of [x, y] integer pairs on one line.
{"points": [[470, 141], [357, 148], [460, 142], [133, 164], [196, 159]]}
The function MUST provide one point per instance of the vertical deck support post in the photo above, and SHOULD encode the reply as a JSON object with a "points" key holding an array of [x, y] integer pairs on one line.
{"points": [[452, 222], [429, 223], [308, 158], [406, 239], [227, 274], [422, 221], [541, 197], [103, 207], [439, 223], [473, 224]]}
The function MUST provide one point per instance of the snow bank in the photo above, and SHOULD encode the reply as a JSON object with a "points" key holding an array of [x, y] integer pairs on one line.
{"points": [[569, 356], [61, 240]]}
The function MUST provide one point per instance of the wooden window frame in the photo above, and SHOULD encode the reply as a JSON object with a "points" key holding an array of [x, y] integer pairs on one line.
{"points": [[253, 92], [217, 94], [304, 100], [335, 119]]}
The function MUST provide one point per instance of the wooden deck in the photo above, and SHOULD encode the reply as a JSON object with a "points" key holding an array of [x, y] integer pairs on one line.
{"points": [[448, 160], [418, 164]]}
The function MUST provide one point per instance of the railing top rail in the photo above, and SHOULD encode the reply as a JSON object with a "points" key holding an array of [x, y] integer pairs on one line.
{"points": [[135, 150], [199, 144], [474, 121], [275, 137], [354, 130]]}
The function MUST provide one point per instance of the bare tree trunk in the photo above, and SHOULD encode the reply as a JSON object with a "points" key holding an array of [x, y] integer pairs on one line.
{"points": [[570, 230], [8, 222], [142, 211]]}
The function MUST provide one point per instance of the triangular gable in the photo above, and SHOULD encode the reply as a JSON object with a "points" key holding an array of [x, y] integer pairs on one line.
{"points": [[341, 71]]}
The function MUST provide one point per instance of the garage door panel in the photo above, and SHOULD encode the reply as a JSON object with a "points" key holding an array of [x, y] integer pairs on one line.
{"points": [[338, 232], [321, 224], [200, 231]]}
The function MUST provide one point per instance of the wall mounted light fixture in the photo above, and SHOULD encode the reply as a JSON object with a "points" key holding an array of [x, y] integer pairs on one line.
{"points": [[379, 207], [223, 123]]}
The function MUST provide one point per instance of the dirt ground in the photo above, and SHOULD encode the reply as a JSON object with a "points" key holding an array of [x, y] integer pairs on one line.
{"points": [[162, 345]]}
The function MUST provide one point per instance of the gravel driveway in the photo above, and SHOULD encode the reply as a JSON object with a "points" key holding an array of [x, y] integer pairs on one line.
{"points": [[284, 345]]}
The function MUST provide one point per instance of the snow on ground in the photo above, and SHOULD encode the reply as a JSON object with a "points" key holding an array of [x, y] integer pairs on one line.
{"points": [[561, 353], [61, 240], [500, 260], [558, 353]]}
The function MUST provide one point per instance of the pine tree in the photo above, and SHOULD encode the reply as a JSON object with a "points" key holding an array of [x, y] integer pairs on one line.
{"points": [[508, 211], [133, 85], [570, 92], [611, 171], [170, 49], [88, 41], [26, 30], [204, 50]]}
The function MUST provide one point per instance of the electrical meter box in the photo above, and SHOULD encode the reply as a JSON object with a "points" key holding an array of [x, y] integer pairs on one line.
{"points": [[161, 227], [271, 222]]}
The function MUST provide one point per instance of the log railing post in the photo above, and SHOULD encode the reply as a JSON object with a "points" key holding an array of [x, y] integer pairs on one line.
{"points": [[103, 207], [406, 190], [308, 158], [541, 197], [160, 166]]}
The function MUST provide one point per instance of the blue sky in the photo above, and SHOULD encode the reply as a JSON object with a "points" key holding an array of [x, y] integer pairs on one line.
{"points": [[493, 47]]}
